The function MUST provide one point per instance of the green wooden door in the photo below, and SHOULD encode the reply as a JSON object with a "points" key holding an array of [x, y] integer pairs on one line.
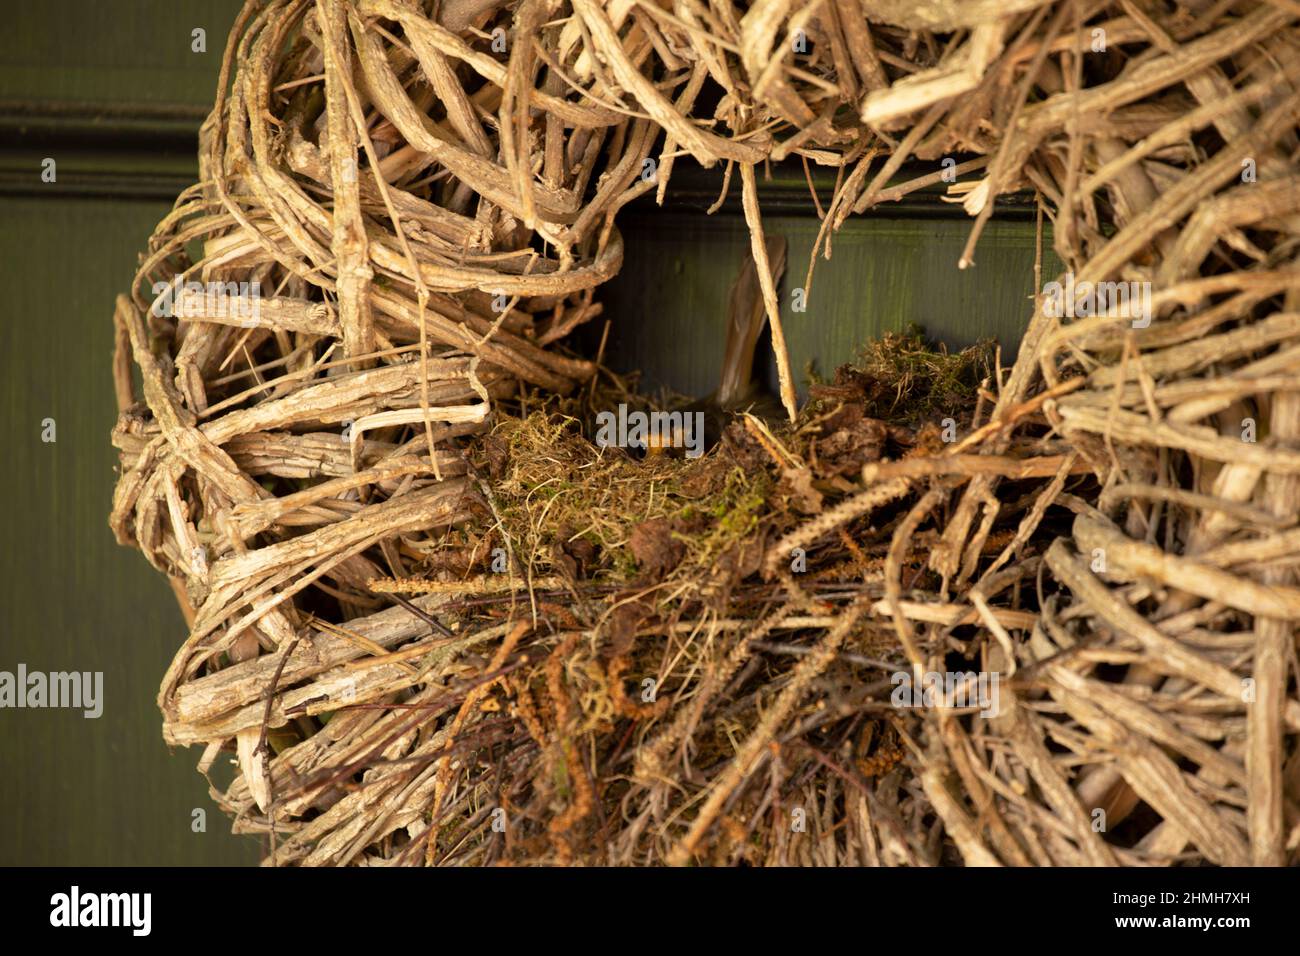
{"points": [[114, 94]]}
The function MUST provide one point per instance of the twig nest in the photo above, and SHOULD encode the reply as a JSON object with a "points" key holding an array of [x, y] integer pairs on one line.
{"points": [[1054, 616]]}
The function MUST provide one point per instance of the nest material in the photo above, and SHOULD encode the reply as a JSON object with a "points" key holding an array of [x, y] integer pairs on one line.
{"points": [[428, 202]]}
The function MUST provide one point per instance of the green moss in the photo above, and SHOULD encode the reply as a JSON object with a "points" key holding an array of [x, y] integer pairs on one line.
{"points": [[921, 381]]}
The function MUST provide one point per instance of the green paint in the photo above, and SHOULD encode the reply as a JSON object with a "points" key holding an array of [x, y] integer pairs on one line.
{"points": [[75, 791], [113, 52], [667, 306], [97, 792]]}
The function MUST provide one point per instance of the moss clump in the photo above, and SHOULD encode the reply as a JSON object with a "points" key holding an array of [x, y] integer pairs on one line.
{"points": [[558, 494], [608, 517], [913, 380]]}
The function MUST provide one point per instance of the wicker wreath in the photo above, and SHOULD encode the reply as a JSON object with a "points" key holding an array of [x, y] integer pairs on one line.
{"points": [[344, 331]]}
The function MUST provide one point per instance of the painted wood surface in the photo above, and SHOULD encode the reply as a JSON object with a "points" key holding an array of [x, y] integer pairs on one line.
{"points": [[667, 306], [115, 92], [111, 90], [75, 790]]}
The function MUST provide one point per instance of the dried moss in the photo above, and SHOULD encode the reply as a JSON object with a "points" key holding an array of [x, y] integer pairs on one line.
{"points": [[557, 492], [919, 380]]}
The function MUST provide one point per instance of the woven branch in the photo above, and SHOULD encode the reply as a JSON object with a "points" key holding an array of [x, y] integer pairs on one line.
{"points": [[400, 219]]}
